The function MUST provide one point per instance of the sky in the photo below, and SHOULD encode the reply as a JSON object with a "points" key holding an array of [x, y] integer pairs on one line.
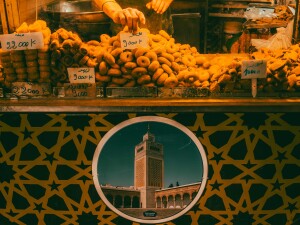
{"points": [[182, 159]]}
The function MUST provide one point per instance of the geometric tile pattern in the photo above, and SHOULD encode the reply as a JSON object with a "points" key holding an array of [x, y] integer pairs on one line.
{"points": [[46, 168]]}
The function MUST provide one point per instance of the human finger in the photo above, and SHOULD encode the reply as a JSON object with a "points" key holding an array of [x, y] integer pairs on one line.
{"points": [[161, 7], [141, 17], [128, 16], [156, 4]]}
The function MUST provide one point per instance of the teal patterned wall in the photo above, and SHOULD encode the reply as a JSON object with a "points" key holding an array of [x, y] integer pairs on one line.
{"points": [[46, 168]]}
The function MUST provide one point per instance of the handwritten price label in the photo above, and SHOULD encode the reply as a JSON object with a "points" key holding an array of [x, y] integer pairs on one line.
{"points": [[31, 89], [80, 90], [254, 69], [22, 41], [81, 75], [132, 41]]}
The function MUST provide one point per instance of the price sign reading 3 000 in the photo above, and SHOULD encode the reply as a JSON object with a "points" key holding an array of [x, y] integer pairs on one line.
{"points": [[22, 41]]}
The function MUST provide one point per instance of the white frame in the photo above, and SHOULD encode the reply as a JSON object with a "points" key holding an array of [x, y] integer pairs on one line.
{"points": [[122, 125]]}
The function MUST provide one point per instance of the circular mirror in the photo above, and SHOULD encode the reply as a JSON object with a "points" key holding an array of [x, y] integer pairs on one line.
{"points": [[150, 169]]}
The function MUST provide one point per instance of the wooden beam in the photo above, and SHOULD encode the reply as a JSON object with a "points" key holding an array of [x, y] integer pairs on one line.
{"points": [[3, 17]]}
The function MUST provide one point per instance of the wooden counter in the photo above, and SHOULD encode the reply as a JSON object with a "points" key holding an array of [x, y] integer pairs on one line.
{"points": [[152, 105]]}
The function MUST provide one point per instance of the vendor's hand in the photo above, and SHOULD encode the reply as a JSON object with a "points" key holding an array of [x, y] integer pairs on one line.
{"points": [[129, 17], [159, 6]]}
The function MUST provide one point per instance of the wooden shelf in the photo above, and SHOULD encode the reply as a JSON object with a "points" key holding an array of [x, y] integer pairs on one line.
{"points": [[152, 105]]}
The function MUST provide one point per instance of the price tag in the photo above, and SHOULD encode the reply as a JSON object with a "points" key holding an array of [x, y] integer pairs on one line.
{"points": [[81, 75], [31, 89], [254, 69], [22, 41], [80, 90], [132, 41]]}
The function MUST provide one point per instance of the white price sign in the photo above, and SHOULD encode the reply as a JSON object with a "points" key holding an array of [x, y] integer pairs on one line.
{"points": [[132, 41], [22, 41], [81, 75], [254, 69]]}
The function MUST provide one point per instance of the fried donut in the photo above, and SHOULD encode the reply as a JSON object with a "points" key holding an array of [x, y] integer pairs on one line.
{"points": [[109, 58], [84, 49], [140, 52], [54, 44], [203, 75], [171, 82], [171, 47], [116, 52], [184, 47], [125, 71], [103, 68], [119, 80], [30, 57], [143, 61], [189, 60], [130, 65], [164, 34], [167, 69], [163, 60], [102, 78], [21, 70], [144, 79], [116, 44], [191, 77], [157, 74], [44, 69], [162, 78], [15, 64], [130, 83], [83, 60], [155, 37], [126, 56], [200, 59], [67, 44], [151, 55], [93, 42], [31, 63], [153, 66], [91, 62], [115, 66], [100, 55], [175, 66], [114, 72], [43, 55], [104, 38], [139, 71], [113, 39]]}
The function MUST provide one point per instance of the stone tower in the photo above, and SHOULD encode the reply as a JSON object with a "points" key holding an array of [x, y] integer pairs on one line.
{"points": [[148, 169]]}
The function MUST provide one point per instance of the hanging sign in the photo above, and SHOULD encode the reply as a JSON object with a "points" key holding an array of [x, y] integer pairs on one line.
{"points": [[22, 41], [132, 41]]}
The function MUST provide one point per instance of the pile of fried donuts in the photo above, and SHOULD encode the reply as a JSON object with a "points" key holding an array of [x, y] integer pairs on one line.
{"points": [[283, 69], [165, 63], [28, 65]]}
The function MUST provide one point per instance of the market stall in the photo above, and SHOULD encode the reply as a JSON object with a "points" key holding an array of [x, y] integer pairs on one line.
{"points": [[149, 107]]}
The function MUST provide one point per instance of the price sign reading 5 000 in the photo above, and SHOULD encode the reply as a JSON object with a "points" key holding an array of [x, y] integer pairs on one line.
{"points": [[22, 41]]}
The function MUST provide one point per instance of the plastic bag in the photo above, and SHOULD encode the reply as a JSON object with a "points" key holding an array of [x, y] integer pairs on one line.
{"points": [[280, 40], [258, 13]]}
